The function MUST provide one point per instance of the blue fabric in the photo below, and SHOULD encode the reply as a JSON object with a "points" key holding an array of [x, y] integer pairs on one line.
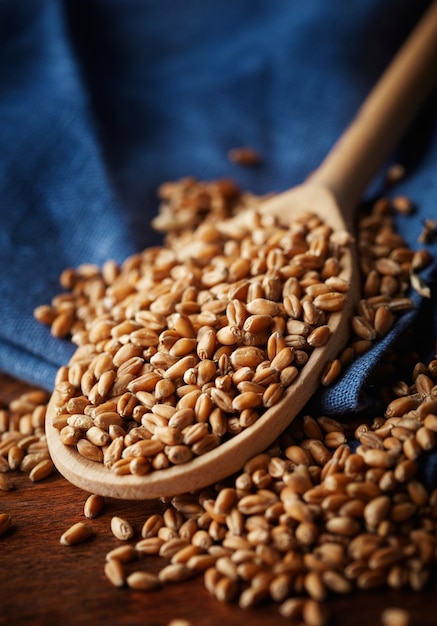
{"points": [[102, 100]]}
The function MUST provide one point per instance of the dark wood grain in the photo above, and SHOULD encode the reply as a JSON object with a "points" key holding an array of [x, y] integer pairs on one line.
{"points": [[44, 583]]}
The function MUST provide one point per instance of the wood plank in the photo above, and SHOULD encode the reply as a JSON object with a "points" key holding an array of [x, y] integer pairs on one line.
{"points": [[43, 582]]}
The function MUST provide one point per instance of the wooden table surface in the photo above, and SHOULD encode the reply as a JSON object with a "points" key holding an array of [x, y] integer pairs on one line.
{"points": [[43, 582]]}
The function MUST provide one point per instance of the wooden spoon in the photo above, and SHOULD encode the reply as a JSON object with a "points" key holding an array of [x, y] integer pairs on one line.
{"points": [[333, 191]]}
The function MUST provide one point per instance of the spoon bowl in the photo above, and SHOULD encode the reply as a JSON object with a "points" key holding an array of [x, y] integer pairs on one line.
{"points": [[229, 456]]}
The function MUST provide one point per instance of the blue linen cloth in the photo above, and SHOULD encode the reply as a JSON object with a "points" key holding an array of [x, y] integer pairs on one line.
{"points": [[103, 100]]}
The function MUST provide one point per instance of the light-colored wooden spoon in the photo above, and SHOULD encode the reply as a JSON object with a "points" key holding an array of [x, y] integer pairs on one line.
{"points": [[333, 191]]}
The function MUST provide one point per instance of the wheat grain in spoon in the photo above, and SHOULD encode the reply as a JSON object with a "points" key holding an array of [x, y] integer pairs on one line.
{"points": [[332, 192]]}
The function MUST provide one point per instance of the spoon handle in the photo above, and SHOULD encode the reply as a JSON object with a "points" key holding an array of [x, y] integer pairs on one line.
{"points": [[383, 117]]}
